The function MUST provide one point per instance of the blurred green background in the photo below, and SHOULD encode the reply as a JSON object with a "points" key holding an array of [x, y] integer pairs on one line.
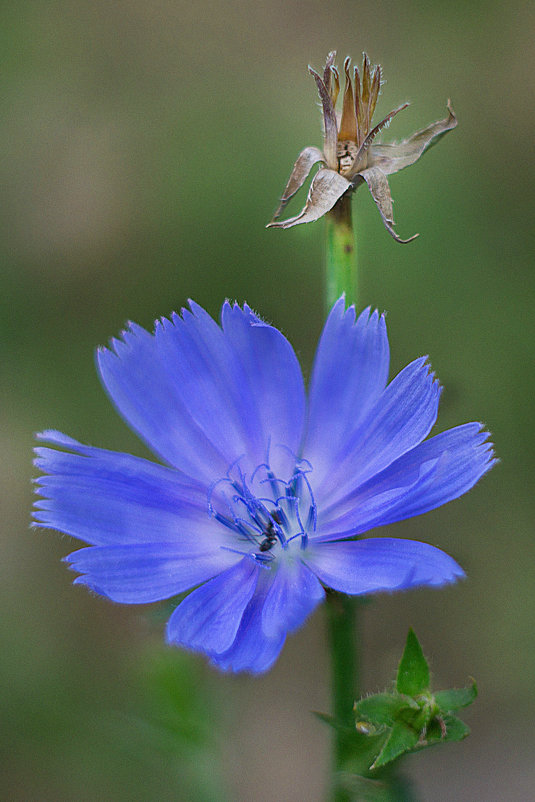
{"points": [[144, 146]]}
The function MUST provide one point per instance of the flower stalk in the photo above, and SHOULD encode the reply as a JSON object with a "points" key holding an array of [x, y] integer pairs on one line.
{"points": [[342, 622], [349, 159], [342, 615], [341, 274]]}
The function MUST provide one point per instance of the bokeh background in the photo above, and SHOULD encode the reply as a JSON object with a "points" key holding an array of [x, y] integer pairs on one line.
{"points": [[144, 146]]}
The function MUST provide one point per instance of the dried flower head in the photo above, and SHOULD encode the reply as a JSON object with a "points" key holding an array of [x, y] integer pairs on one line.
{"points": [[350, 155]]}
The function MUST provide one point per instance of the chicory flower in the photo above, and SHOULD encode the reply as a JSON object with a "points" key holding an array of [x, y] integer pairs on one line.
{"points": [[350, 155], [264, 495]]}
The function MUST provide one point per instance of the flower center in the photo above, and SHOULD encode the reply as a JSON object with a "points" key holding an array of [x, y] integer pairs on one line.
{"points": [[269, 515], [346, 154]]}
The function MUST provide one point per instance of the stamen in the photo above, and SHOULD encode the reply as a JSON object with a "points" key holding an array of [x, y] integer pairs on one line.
{"points": [[312, 518], [286, 497], [284, 522], [232, 464], [268, 449], [302, 532], [211, 493], [313, 506], [259, 559], [222, 520], [243, 525], [307, 463], [289, 451], [262, 465], [265, 521]]}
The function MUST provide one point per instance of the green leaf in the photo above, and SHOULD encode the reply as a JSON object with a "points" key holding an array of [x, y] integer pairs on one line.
{"points": [[407, 718], [456, 729], [417, 719], [455, 698], [413, 672], [382, 709], [443, 729], [401, 739]]}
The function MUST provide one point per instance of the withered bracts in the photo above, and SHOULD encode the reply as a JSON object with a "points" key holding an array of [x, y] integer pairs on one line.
{"points": [[350, 155]]}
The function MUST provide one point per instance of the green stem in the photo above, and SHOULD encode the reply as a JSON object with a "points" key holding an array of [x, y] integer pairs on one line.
{"points": [[342, 611], [341, 277], [341, 255], [342, 626]]}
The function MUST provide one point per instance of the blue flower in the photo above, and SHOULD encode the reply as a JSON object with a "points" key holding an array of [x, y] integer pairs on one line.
{"points": [[264, 494]]}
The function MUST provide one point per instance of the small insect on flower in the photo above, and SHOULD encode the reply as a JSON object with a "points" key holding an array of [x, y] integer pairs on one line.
{"points": [[270, 533], [350, 155], [263, 494]]}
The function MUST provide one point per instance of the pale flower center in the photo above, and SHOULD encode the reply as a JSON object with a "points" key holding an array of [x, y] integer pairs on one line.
{"points": [[269, 515]]}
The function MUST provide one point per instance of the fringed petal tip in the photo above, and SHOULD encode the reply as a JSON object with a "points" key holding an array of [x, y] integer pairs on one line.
{"points": [[368, 316], [486, 446], [56, 438], [483, 445]]}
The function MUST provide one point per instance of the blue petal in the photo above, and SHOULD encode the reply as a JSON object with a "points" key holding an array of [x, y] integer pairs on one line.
{"points": [[275, 383], [435, 472], [142, 387], [209, 618], [399, 420], [139, 574], [109, 498], [240, 619], [252, 650], [190, 391], [293, 594], [350, 372], [380, 564]]}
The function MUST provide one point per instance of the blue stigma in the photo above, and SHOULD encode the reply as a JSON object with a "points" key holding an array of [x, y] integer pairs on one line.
{"points": [[266, 512]]}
